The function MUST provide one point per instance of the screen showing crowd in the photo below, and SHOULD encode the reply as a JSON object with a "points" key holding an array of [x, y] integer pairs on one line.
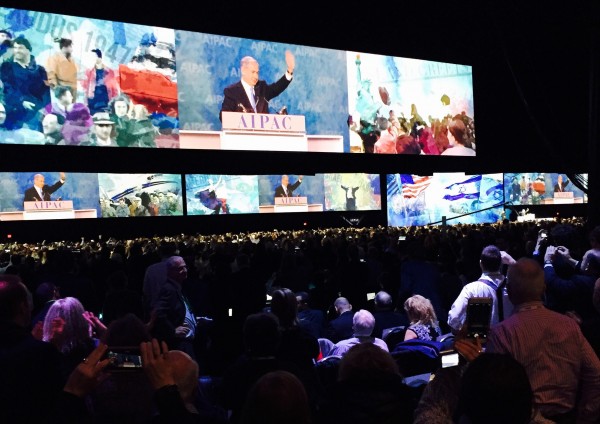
{"points": [[70, 80]]}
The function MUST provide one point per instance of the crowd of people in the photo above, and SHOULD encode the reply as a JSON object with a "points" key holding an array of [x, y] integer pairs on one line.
{"points": [[303, 326], [58, 102]]}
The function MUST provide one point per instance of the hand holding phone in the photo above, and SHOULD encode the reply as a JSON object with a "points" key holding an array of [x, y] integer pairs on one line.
{"points": [[479, 316]]}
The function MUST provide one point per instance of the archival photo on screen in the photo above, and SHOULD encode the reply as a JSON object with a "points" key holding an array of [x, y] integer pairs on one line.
{"points": [[541, 188], [352, 192], [137, 195], [424, 200], [76, 81], [211, 194], [418, 106], [39, 195]]}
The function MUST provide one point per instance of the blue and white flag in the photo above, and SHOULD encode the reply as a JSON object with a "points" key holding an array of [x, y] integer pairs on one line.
{"points": [[467, 189]]}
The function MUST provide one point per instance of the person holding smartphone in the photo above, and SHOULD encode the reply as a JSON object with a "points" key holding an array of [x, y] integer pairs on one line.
{"points": [[490, 284]]}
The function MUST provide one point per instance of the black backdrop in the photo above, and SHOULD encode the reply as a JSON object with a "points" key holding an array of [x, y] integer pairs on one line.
{"points": [[534, 88]]}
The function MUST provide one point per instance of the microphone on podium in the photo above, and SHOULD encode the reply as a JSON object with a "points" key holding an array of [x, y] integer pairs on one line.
{"points": [[283, 111], [242, 108]]}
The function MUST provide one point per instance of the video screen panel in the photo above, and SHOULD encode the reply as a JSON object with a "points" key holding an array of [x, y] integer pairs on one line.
{"points": [[48, 195], [541, 188], [422, 200], [77, 81], [418, 106], [91, 82], [135, 195], [209, 194], [352, 191]]}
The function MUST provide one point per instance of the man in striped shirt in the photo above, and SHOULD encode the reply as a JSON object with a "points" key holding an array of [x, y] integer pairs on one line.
{"points": [[563, 369]]}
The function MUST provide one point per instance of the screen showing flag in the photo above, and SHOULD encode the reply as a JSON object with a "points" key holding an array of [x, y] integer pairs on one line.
{"points": [[460, 198]]}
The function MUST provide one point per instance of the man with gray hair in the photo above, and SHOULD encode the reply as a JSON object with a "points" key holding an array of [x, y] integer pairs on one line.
{"points": [[175, 321], [363, 323], [561, 365]]}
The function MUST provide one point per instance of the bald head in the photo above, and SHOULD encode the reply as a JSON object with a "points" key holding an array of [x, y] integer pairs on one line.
{"points": [[342, 305], [525, 281]]}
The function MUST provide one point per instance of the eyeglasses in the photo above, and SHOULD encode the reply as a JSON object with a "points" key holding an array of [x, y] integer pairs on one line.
{"points": [[104, 125]]}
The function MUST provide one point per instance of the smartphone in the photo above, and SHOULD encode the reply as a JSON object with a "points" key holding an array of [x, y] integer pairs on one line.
{"points": [[449, 358], [124, 358], [371, 296], [479, 315]]}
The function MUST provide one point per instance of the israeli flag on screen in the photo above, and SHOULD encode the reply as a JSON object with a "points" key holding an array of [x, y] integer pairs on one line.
{"points": [[467, 189]]}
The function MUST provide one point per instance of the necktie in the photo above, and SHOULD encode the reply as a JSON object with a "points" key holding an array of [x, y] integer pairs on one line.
{"points": [[253, 99]]}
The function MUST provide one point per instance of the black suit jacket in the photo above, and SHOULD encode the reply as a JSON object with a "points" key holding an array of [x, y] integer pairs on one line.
{"points": [[341, 327], [235, 95], [31, 194], [562, 186], [290, 188], [170, 312]]}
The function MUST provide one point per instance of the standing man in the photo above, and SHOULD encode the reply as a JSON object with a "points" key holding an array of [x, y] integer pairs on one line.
{"points": [[561, 365], [175, 320], [286, 189], [560, 184], [488, 285], [40, 191], [251, 94], [25, 87], [61, 67]]}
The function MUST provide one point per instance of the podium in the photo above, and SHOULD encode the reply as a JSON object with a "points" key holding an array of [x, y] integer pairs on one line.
{"points": [[54, 209], [291, 204], [561, 197], [260, 131]]}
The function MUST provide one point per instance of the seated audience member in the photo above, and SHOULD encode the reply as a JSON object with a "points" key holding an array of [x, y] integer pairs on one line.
{"points": [[423, 322], [277, 397], [261, 337], [384, 314], [45, 296], [369, 390], [66, 327], [494, 389], [297, 345], [312, 320], [562, 367], [340, 328], [362, 325], [30, 378]]}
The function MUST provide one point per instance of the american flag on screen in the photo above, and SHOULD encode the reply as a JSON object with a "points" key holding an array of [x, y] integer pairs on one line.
{"points": [[413, 185]]}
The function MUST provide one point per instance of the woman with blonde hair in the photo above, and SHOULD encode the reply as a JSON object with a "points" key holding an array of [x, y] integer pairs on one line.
{"points": [[423, 321]]}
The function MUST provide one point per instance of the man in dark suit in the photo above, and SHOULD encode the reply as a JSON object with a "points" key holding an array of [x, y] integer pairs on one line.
{"points": [[385, 316], [560, 184], [251, 94], [175, 322], [350, 197], [340, 328], [40, 191], [286, 189]]}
